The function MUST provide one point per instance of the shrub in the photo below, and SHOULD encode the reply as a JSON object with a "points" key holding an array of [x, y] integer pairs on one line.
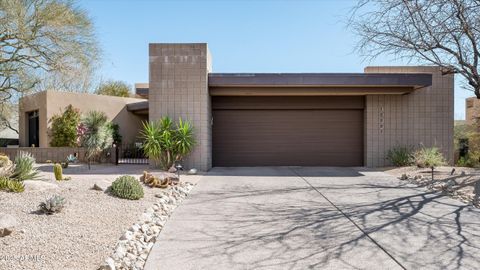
{"points": [[52, 205], [400, 156], [11, 185], [97, 136], [429, 157], [115, 129], [24, 167], [64, 128], [114, 88], [127, 187], [471, 160], [167, 142]]}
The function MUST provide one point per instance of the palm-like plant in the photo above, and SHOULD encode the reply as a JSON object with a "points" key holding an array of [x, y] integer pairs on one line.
{"points": [[97, 136], [166, 142]]}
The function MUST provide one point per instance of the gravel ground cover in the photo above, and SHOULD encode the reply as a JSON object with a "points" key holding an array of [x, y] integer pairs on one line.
{"points": [[456, 182], [84, 234]]}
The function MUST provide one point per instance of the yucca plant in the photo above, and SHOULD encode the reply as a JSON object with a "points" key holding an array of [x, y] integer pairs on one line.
{"points": [[166, 142], [24, 167], [97, 135]]}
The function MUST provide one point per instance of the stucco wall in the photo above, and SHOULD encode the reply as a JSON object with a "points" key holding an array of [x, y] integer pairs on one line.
{"points": [[50, 103], [179, 88], [422, 117]]}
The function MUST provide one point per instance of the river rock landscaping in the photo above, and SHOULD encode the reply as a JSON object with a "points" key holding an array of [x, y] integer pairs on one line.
{"points": [[134, 245], [86, 231]]}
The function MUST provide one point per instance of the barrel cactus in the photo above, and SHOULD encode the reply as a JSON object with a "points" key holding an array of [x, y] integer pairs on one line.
{"points": [[127, 187], [58, 171]]}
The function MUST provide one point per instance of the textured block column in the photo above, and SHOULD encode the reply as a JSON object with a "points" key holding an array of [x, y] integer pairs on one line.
{"points": [[423, 117], [178, 83]]}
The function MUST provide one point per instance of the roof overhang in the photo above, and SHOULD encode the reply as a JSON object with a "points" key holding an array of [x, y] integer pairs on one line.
{"points": [[138, 107], [316, 83]]}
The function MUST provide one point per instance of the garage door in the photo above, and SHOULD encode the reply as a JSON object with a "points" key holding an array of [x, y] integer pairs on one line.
{"points": [[287, 131]]}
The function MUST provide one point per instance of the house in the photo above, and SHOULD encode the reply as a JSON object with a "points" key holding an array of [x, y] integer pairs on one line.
{"points": [[472, 111], [274, 119]]}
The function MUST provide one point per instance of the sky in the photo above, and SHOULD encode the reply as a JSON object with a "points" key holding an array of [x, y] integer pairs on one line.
{"points": [[243, 36]]}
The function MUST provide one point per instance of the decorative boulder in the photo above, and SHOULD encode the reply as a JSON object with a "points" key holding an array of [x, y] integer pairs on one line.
{"points": [[192, 171], [172, 169], [38, 185], [101, 185], [7, 224]]}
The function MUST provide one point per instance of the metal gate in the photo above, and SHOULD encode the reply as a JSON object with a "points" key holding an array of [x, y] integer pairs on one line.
{"points": [[130, 153]]}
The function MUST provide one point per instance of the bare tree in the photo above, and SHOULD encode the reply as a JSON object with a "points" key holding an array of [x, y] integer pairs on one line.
{"points": [[440, 32], [44, 43]]}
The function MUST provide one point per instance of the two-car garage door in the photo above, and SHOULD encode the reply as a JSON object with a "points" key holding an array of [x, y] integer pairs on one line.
{"points": [[288, 131]]}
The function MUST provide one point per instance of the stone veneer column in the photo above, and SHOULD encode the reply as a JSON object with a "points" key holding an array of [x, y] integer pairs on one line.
{"points": [[178, 80], [422, 117]]}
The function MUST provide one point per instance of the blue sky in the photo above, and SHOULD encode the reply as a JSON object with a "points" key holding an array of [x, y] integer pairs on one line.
{"points": [[243, 36]]}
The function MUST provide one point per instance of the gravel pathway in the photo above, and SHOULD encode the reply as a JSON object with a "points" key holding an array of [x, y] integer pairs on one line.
{"points": [[81, 236]]}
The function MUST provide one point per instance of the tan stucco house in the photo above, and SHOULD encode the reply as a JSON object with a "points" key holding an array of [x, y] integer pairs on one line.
{"points": [[274, 119]]}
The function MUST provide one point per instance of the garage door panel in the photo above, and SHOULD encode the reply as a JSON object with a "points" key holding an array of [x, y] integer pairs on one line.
{"points": [[288, 137]]}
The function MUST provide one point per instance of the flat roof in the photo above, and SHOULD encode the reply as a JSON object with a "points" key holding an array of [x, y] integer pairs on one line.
{"points": [[414, 80], [137, 106]]}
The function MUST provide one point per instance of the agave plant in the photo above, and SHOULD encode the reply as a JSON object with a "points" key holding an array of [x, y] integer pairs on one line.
{"points": [[52, 205], [166, 142], [24, 167]]}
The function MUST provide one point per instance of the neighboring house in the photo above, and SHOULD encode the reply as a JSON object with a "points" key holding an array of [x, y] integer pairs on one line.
{"points": [[278, 119], [472, 110]]}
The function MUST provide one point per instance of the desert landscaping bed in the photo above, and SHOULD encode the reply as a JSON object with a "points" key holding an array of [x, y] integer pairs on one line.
{"points": [[456, 182], [85, 233]]}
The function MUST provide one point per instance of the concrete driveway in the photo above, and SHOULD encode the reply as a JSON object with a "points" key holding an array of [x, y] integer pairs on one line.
{"points": [[316, 218]]}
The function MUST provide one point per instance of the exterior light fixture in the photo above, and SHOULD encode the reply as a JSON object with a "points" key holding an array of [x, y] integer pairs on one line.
{"points": [[179, 168]]}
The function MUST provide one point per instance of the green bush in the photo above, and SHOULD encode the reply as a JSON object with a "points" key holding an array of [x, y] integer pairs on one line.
{"points": [[64, 128], [24, 167], [429, 157], [11, 185], [115, 129], [400, 156], [471, 160], [114, 88], [127, 187]]}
